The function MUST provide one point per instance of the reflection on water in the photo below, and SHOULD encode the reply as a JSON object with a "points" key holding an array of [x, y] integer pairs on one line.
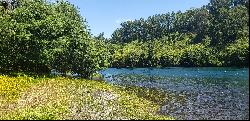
{"points": [[193, 93]]}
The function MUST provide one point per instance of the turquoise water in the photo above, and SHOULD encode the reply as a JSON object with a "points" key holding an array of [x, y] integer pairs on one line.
{"points": [[192, 93]]}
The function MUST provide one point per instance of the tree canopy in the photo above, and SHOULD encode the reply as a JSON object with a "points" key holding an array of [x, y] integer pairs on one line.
{"points": [[215, 28], [38, 35]]}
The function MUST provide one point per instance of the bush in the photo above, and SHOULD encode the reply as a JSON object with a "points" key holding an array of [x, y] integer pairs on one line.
{"points": [[38, 36]]}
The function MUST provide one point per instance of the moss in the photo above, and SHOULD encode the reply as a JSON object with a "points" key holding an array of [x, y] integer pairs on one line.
{"points": [[68, 98]]}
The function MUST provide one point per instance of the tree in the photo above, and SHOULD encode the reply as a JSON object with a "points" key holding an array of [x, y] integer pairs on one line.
{"points": [[38, 36], [226, 20]]}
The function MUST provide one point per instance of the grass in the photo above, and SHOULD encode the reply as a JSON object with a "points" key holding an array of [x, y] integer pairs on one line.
{"points": [[53, 98]]}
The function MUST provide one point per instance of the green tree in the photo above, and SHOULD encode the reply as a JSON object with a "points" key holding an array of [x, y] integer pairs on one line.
{"points": [[38, 36]]}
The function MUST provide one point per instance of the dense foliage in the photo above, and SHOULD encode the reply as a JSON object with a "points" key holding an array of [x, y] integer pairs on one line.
{"points": [[37, 36], [213, 35]]}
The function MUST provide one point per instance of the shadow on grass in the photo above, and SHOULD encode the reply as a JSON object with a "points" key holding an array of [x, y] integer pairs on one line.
{"points": [[32, 74], [152, 94]]}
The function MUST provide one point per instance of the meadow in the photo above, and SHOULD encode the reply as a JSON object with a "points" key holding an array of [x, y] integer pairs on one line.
{"points": [[55, 98]]}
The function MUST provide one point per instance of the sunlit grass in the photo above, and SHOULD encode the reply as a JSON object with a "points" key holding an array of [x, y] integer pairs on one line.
{"points": [[66, 98], [11, 88]]}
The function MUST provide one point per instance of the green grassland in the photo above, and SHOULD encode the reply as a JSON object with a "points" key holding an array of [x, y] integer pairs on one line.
{"points": [[52, 98]]}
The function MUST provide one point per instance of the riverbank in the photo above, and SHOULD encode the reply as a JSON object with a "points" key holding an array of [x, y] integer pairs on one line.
{"points": [[30, 97]]}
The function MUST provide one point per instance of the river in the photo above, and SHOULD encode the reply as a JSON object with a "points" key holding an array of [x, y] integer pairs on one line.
{"points": [[196, 93]]}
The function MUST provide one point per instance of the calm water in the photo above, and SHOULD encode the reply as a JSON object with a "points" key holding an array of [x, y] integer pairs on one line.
{"points": [[192, 93]]}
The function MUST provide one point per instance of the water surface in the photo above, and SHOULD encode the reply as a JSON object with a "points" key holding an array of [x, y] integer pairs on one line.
{"points": [[192, 93]]}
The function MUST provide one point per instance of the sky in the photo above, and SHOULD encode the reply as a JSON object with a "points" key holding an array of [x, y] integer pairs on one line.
{"points": [[106, 15]]}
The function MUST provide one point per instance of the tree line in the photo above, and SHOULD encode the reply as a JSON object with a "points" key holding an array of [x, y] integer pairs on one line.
{"points": [[38, 36], [213, 35]]}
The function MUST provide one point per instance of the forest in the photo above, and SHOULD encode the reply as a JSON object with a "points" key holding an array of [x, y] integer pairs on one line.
{"points": [[38, 36]]}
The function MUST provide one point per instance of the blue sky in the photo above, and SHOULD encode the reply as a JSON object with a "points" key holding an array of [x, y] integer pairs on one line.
{"points": [[106, 15]]}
